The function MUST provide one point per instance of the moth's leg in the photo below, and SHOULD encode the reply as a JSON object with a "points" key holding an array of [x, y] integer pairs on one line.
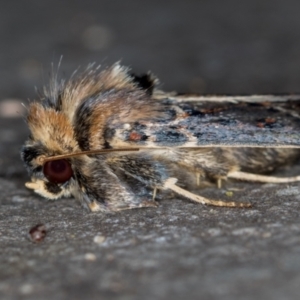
{"points": [[148, 170], [140, 172], [198, 178], [223, 163], [261, 178], [219, 183], [155, 175], [170, 183], [154, 194], [143, 169], [100, 189], [218, 180], [204, 163]]}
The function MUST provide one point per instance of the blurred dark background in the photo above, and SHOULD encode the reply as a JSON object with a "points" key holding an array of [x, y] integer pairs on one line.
{"points": [[227, 47]]}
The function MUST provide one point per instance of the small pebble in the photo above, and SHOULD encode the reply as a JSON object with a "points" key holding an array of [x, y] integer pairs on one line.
{"points": [[99, 239], [26, 289], [37, 233], [90, 257]]}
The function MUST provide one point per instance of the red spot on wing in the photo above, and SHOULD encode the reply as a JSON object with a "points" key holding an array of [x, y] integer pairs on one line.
{"points": [[134, 136], [265, 122]]}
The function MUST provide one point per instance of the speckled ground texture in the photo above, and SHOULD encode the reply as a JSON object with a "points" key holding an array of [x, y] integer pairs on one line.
{"points": [[180, 250]]}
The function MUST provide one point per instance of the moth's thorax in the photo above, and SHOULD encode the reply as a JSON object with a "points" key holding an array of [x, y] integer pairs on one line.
{"points": [[98, 115]]}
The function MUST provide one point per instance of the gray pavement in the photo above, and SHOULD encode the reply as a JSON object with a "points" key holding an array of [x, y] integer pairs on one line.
{"points": [[180, 250]]}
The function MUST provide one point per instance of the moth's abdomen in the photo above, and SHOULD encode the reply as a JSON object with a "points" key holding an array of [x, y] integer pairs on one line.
{"points": [[261, 160]]}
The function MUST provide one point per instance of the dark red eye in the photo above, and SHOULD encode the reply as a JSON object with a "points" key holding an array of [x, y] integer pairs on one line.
{"points": [[58, 171]]}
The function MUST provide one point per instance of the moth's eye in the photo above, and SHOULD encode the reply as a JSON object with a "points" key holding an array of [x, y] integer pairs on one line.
{"points": [[58, 171]]}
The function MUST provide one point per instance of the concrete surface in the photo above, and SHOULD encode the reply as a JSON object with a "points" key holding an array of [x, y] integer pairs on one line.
{"points": [[180, 250]]}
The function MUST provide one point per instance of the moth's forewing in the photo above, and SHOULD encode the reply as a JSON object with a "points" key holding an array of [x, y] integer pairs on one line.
{"points": [[253, 121]]}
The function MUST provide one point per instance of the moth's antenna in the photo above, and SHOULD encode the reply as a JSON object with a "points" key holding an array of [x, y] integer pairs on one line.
{"points": [[44, 159]]}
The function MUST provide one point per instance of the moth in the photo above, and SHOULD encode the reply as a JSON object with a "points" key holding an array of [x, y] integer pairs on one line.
{"points": [[112, 140]]}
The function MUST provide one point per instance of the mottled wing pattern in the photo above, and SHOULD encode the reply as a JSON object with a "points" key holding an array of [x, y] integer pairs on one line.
{"points": [[272, 121]]}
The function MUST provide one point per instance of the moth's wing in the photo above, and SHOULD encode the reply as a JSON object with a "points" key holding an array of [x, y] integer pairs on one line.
{"points": [[249, 121], [186, 98]]}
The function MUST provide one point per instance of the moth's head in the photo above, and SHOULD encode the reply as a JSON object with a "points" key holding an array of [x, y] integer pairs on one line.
{"points": [[50, 179], [51, 134]]}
